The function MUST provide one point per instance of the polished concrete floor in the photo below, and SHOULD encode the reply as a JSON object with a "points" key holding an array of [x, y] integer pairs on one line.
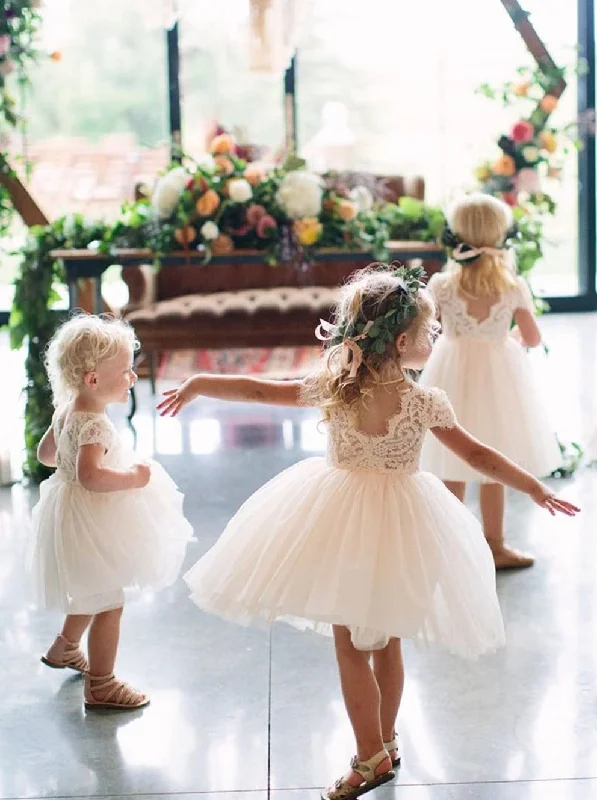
{"points": [[239, 714]]}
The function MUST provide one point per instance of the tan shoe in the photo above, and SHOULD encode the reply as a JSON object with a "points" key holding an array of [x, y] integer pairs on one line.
{"points": [[367, 771], [106, 691], [65, 655]]}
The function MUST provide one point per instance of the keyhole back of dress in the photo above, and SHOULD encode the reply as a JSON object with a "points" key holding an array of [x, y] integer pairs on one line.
{"points": [[373, 415], [478, 308]]}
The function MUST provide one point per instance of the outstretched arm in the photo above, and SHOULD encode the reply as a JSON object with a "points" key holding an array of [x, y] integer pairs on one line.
{"points": [[500, 469], [230, 387]]}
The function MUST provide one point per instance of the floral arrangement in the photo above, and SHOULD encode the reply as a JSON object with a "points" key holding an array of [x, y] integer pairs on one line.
{"points": [[222, 203], [530, 153], [19, 25]]}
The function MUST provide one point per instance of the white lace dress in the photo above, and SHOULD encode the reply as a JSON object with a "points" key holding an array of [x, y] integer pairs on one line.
{"points": [[360, 538], [89, 546], [488, 378]]}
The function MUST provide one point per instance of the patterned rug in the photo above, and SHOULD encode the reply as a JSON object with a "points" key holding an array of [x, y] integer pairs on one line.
{"points": [[283, 363]]}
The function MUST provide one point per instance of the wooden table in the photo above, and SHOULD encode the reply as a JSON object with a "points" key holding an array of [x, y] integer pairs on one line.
{"points": [[89, 264]]}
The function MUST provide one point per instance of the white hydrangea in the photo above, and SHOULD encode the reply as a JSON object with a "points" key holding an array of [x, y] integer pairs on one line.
{"points": [[240, 190], [209, 231], [168, 190], [300, 194], [207, 163], [362, 198]]}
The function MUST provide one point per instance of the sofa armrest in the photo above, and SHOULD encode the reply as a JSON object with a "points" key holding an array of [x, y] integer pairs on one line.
{"points": [[142, 284]]}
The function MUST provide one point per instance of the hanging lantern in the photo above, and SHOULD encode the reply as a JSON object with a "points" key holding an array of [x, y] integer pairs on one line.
{"points": [[272, 34]]}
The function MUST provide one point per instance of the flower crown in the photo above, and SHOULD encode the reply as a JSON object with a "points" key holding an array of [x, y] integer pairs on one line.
{"points": [[373, 336], [466, 254]]}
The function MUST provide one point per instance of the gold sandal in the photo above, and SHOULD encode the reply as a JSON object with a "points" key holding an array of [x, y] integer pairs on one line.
{"points": [[392, 747], [115, 694], [65, 655], [342, 790]]}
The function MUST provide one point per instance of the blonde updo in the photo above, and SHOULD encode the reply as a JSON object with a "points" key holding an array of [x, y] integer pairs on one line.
{"points": [[481, 220], [368, 295], [79, 346]]}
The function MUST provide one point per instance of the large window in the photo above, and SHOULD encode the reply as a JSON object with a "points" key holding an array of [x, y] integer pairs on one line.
{"points": [[407, 75]]}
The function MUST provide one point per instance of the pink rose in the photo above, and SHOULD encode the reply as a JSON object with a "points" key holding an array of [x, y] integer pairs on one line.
{"points": [[4, 44], [527, 181], [265, 226], [254, 214], [523, 131]]}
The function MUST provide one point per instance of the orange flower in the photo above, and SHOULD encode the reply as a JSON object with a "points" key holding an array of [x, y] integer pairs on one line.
{"points": [[207, 203], [504, 166], [185, 235], [222, 144], [548, 141], [222, 246], [254, 174], [56, 56], [521, 89], [224, 165], [548, 103], [346, 210]]}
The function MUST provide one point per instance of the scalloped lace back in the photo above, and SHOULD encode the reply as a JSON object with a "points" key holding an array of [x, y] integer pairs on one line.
{"points": [[399, 448], [75, 428]]}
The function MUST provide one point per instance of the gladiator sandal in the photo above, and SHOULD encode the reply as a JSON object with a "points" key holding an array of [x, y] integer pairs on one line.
{"points": [[392, 747], [64, 654], [342, 790], [114, 692]]}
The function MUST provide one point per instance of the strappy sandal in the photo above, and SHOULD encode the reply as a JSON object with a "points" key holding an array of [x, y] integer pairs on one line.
{"points": [[115, 694], [392, 747], [342, 790], [65, 655]]}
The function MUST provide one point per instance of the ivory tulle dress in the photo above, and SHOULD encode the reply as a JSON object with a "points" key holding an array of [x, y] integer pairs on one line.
{"points": [[360, 538], [90, 546], [487, 376]]}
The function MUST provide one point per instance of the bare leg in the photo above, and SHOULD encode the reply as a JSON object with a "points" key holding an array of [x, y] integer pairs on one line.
{"points": [[362, 700], [103, 639], [492, 499], [389, 674], [458, 489], [104, 635], [75, 626]]}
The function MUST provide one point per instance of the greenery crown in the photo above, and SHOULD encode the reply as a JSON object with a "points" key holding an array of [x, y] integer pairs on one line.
{"points": [[373, 336]]}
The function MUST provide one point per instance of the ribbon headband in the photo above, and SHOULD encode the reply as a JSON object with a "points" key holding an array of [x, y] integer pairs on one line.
{"points": [[351, 356], [465, 252]]}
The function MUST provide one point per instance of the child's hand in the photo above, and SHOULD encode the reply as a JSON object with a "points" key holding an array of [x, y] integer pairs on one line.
{"points": [[545, 498], [141, 475], [176, 399]]}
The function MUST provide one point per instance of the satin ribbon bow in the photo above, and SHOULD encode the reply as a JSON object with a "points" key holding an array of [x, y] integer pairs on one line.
{"points": [[351, 356], [460, 254]]}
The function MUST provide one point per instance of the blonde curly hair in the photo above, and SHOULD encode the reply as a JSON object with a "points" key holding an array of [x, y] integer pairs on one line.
{"points": [[368, 295], [481, 220], [79, 346]]}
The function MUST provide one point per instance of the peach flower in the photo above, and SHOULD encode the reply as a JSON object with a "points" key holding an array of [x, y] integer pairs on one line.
{"points": [[254, 174], [255, 213], [222, 245], [266, 226], [185, 235], [207, 203], [222, 144], [548, 103], [504, 166], [521, 89], [548, 141], [224, 165], [346, 210]]}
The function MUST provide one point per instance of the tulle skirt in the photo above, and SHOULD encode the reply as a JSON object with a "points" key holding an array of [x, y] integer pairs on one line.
{"points": [[387, 555], [89, 547], [494, 395]]}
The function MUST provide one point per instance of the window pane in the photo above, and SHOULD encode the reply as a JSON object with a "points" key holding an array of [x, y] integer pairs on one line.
{"points": [[217, 83]]}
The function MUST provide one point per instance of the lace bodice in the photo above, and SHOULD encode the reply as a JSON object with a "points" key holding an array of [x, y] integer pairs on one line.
{"points": [[398, 449], [458, 323], [75, 428]]}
